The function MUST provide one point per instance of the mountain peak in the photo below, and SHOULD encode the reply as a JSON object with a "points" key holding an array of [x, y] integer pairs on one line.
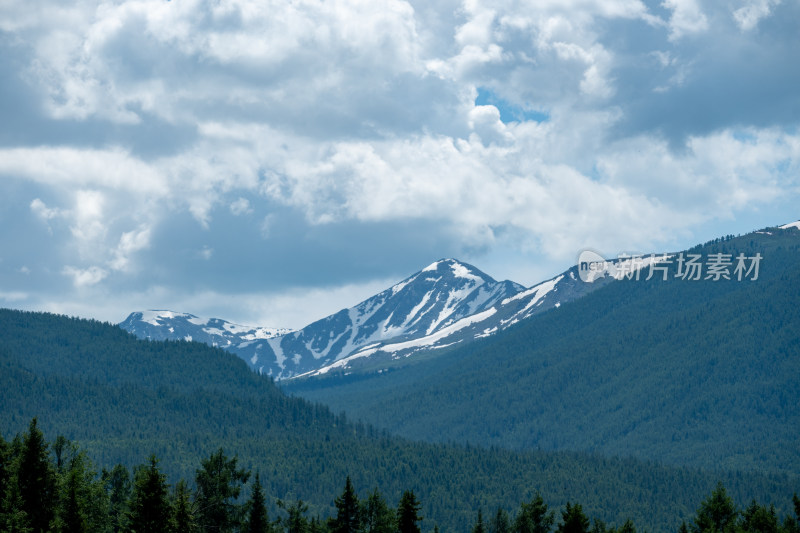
{"points": [[459, 269]]}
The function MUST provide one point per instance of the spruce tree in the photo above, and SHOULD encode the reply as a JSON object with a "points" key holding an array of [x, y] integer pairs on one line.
{"points": [[408, 513], [534, 517], [73, 519], [377, 516], [218, 486], [627, 527], [598, 526], [83, 500], [150, 510], [295, 521], [573, 520], [316, 525], [5, 470], [348, 512], [760, 519], [36, 480], [479, 526], [257, 520], [501, 523], [717, 513], [118, 488], [183, 510]]}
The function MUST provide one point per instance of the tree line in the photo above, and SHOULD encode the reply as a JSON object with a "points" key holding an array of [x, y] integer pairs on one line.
{"points": [[53, 486]]}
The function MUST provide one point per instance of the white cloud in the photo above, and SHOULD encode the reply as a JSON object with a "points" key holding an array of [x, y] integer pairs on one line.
{"points": [[363, 113], [241, 206], [42, 211], [687, 18], [85, 277], [88, 216], [69, 168], [749, 15], [129, 243], [13, 297]]}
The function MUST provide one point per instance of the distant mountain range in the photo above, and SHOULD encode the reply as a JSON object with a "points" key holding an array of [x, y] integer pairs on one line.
{"points": [[446, 303]]}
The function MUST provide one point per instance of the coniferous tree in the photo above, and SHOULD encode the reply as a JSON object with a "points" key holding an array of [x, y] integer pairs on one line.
{"points": [[573, 520], [759, 519], [183, 510], [218, 486], [73, 519], [61, 449], [35, 479], [5, 474], [118, 488], [316, 526], [627, 527], [83, 500], [348, 512], [534, 517], [408, 513], [792, 524], [14, 519], [257, 520], [377, 516], [150, 510], [479, 526], [598, 526], [501, 523], [5, 458], [716, 514], [295, 521]]}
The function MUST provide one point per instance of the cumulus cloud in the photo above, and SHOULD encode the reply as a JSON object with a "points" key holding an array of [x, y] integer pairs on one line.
{"points": [[169, 129]]}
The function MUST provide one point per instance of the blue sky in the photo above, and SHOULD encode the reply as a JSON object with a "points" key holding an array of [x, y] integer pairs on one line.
{"points": [[272, 162]]}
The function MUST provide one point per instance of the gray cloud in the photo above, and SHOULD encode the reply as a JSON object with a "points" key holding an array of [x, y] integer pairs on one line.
{"points": [[196, 152]]}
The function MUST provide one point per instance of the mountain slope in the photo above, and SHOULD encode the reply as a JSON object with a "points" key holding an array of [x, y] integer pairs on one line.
{"points": [[690, 372], [124, 399]]}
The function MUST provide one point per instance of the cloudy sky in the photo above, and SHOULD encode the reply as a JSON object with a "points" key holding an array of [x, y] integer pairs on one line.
{"points": [[270, 162]]}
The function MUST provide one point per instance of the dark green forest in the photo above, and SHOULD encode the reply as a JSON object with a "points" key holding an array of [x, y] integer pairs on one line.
{"points": [[55, 487], [683, 372], [125, 399]]}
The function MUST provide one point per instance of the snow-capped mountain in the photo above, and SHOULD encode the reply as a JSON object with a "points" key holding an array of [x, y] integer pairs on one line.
{"points": [[494, 315], [168, 325], [447, 302]]}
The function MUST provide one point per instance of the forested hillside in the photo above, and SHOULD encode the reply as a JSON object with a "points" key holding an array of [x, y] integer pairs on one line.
{"points": [[124, 399], [690, 372], [55, 487]]}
